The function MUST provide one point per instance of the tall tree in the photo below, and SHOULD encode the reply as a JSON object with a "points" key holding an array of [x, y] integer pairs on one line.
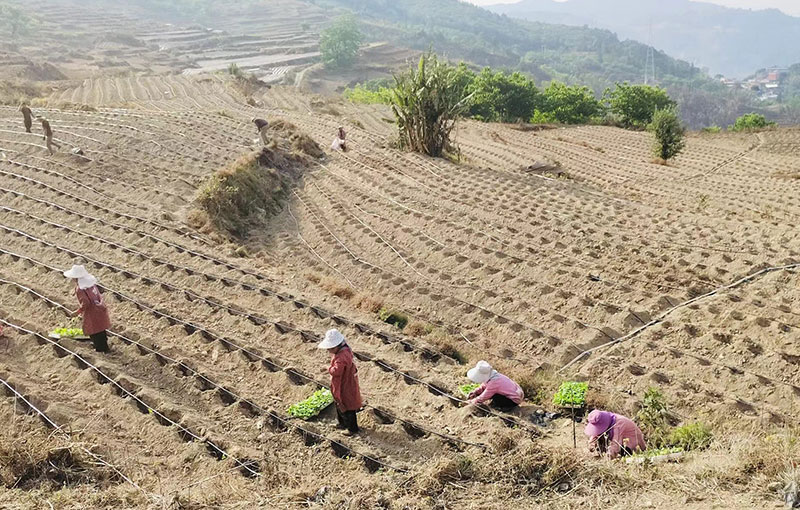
{"points": [[340, 43]]}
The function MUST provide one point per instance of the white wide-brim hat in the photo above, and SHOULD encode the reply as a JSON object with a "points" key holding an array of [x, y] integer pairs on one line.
{"points": [[332, 339], [77, 272], [481, 373]]}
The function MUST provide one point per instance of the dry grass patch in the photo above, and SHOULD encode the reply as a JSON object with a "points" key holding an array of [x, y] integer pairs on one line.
{"points": [[336, 288]]}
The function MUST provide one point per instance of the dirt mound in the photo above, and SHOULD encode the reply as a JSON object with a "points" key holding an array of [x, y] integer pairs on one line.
{"points": [[291, 139], [31, 463], [247, 194], [41, 72]]}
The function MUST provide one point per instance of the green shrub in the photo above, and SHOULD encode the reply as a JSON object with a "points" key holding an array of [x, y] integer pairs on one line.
{"points": [[570, 105], [499, 96], [540, 117], [669, 134], [571, 394], [400, 320], [750, 122], [712, 129], [692, 436], [364, 95], [653, 418], [635, 105]]}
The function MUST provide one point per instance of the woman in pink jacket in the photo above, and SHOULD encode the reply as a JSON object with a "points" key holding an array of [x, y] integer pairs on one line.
{"points": [[93, 308], [504, 393], [613, 434], [344, 381]]}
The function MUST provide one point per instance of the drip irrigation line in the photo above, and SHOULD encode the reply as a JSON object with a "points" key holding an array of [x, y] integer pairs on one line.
{"points": [[49, 423], [320, 312], [186, 369], [127, 394], [102, 208], [249, 353], [668, 312]]}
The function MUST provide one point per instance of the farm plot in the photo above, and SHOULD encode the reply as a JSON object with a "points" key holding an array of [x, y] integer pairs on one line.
{"points": [[618, 267]]}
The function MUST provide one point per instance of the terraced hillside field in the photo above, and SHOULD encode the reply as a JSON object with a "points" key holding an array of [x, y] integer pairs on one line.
{"points": [[620, 272]]}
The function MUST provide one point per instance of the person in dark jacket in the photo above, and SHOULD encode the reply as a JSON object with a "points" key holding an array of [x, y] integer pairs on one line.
{"points": [[47, 135], [263, 130], [27, 116], [344, 381], [93, 309]]}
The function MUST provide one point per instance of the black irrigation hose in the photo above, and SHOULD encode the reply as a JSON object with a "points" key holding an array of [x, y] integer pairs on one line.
{"points": [[271, 364], [430, 354], [49, 423], [61, 352], [113, 212], [163, 359]]}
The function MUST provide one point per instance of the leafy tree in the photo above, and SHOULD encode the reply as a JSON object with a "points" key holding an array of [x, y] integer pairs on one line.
{"points": [[14, 20], [427, 101], [636, 104], [570, 105], [340, 43], [669, 134], [498, 96], [750, 122]]}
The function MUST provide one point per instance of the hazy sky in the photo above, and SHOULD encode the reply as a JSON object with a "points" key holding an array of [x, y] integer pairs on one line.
{"points": [[788, 6]]}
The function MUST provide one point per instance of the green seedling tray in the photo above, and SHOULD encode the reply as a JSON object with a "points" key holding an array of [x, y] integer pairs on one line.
{"points": [[312, 406]]}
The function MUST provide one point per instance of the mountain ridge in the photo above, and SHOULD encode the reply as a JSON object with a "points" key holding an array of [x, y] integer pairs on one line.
{"points": [[729, 41]]}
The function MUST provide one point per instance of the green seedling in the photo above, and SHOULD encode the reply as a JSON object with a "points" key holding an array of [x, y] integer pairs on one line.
{"points": [[571, 394], [312, 406], [68, 332], [466, 389]]}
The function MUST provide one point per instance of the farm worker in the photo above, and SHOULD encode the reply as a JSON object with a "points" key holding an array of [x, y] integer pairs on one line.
{"points": [[504, 393], [613, 434], [48, 135], [93, 308], [27, 116], [339, 143], [263, 127], [344, 380]]}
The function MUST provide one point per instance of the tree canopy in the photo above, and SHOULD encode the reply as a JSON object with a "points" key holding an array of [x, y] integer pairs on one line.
{"points": [[340, 43], [635, 105]]}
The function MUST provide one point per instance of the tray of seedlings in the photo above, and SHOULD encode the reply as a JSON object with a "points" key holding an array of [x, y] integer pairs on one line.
{"points": [[68, 332], [572, 396], [468, 388], [312, 406]]}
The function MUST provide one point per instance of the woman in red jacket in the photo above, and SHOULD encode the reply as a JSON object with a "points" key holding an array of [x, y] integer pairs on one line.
{"points": [[344, 380], [93, 308]]}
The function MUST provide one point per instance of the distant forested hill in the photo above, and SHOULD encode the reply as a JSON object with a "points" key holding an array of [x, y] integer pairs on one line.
{"points": [[593, 57], [575, 55], [729, 41]]}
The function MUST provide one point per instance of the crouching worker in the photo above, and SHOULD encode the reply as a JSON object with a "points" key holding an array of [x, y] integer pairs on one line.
{"points": [[263, 130], [93, 308], [344, 381], [340, 142], [613, 435], [504, 393]]}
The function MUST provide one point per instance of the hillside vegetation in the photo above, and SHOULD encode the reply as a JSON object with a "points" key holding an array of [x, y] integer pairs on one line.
{"points": [[728, 41]]}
